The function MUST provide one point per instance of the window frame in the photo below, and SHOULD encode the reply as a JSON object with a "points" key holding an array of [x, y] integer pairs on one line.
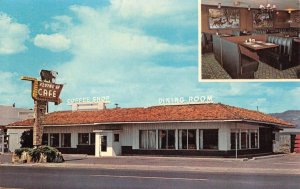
{"points": [[62, 139], [80, 135], [167, 139], [204, 135], [116, 139], [147, 140], [183, 139], [58, 142], [248, 138], [46, 134]]}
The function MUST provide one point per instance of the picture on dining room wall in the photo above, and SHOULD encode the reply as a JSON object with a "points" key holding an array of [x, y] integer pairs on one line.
{"points": [[262, 19], [224, 18]]}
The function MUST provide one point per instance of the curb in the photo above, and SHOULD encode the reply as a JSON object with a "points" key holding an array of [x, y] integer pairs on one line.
{"points": [[217, 170], [268, 157], [172, 157]]}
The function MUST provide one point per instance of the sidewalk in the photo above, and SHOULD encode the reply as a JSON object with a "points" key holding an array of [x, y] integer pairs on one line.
{"points": [[288, 164]]}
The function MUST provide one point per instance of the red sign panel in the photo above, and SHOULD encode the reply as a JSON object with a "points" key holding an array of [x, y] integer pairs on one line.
{"points": [[45, 91]]}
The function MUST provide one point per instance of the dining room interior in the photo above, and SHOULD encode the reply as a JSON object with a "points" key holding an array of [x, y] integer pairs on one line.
{"points": [[250, 39]]}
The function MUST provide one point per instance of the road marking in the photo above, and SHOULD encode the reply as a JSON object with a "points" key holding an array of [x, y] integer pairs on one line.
{"points": [[288, 163], [144, 177]]}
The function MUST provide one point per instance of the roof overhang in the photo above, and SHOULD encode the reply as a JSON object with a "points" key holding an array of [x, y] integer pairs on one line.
{"points": [[151, 122]]}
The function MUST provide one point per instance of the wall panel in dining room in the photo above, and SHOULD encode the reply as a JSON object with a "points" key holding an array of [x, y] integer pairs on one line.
{"points": [[295, 18], [246, 20]]}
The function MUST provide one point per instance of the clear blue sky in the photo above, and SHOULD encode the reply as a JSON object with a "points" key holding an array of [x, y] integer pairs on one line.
{"points": [[133, 51]]}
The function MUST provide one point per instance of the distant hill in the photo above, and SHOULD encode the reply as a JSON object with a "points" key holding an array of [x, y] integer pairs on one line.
{"points": [[292, 116]]}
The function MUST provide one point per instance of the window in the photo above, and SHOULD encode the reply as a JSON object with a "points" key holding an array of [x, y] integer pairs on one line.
{"points": [[246, 139], [83, 138], [45, 139], [235, 137], [166, 139], [147, 139], [192, 139], [54, 139], [210, 139], [187, 138], [254, 139], [92, 139], [182, 134], [66, 140], [103, 143], [116, 138]]}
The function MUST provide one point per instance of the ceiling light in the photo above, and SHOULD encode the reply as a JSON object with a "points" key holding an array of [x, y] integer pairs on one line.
{"points": [[267, 7], [237, 3]]}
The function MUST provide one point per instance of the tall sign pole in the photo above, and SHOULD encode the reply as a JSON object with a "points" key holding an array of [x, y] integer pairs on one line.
{"points": [[42, 92]]}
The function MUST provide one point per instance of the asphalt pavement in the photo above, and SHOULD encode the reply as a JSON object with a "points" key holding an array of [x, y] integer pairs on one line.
{"points": [[55, 177], [82, 171]]}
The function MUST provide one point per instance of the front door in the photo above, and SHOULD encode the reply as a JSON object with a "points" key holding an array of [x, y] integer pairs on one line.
{"points": [[265, 139]]}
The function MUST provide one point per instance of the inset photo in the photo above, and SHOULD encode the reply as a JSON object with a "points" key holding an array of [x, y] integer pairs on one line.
{"points": [[253, 41]]}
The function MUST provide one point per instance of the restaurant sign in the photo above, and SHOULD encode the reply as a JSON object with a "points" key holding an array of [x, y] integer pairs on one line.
{"points": [[186, 100], [45, 91]]}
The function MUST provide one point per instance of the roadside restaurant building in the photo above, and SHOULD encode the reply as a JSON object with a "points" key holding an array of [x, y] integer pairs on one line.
{"points": [[211, 129]]}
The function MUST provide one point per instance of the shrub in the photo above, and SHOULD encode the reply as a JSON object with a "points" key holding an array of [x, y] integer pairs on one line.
{"points": [[26, 139], [19, 152], [52, 154]]}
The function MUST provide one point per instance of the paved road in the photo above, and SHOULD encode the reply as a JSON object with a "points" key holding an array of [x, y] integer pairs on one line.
{"points": [[46, 177]]}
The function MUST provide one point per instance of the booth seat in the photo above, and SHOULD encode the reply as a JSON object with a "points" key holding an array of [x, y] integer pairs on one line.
{"points": [[229, 56], [280, 57], [217, 48]]}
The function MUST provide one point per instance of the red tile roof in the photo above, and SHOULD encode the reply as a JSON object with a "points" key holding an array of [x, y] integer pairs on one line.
{"points": [[191, 112]]}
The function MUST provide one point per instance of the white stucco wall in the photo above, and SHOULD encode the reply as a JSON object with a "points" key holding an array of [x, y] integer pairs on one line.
{"points": [[113, 148], [14, 138], [129, 134]]}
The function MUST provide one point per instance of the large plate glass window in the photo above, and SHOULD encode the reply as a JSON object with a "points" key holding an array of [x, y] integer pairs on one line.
{"points": [[235, 139], [92, 138], [244, 139], [54, 139], [45, 139], [66, 140], [210, 139], [166, 139], [147, 139], [83, 138], [253, 139], [187, 139]]}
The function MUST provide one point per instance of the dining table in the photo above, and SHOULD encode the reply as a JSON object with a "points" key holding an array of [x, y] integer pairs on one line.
{"points": [[252, 46]]}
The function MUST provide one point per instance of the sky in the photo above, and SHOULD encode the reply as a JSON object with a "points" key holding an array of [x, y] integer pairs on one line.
{"points": [[134, 51]]}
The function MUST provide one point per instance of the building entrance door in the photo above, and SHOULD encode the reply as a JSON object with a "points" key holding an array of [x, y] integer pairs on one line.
{"points": [[107, 143], [265, 139]]}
